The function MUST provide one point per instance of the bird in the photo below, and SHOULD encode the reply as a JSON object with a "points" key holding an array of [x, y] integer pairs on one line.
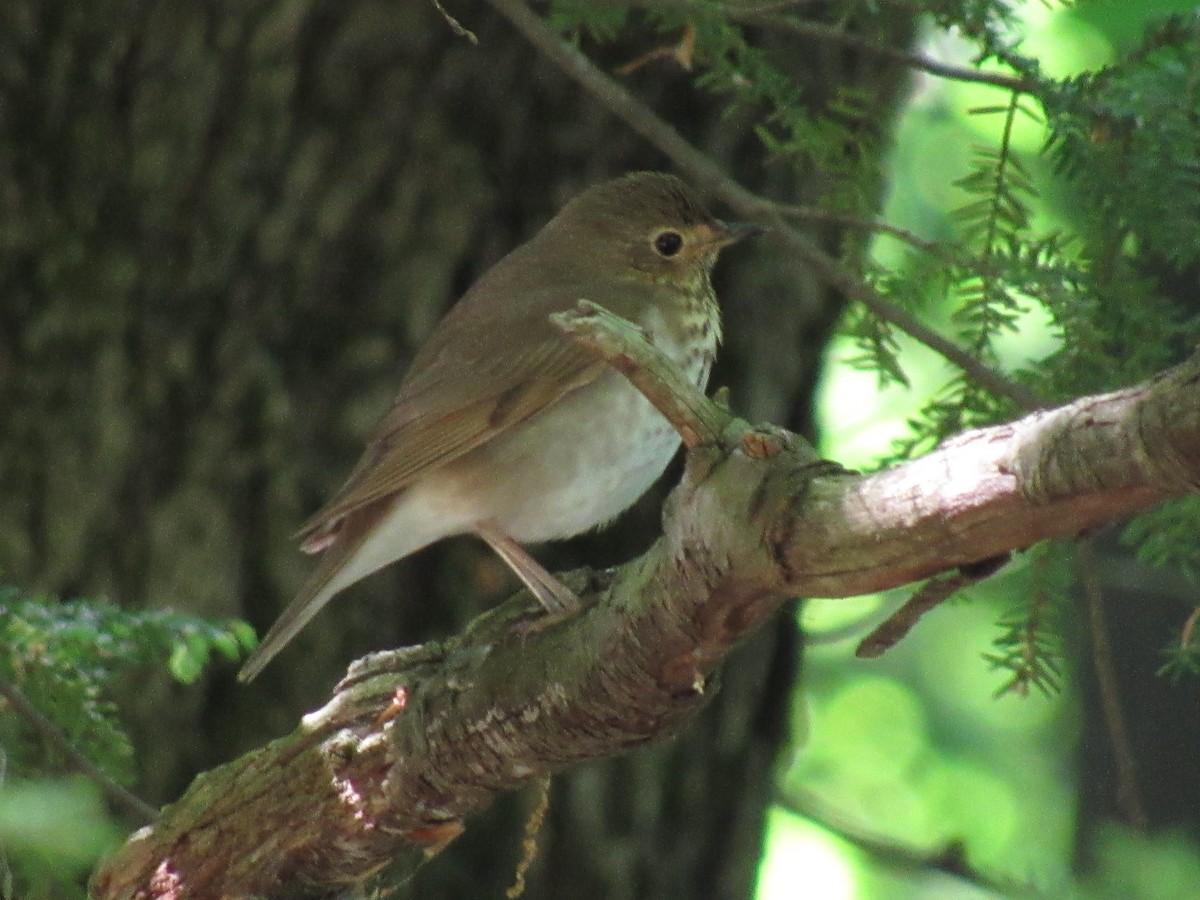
{"points": [[503, 427]]}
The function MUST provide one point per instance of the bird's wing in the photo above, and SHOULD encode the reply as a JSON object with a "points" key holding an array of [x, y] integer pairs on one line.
{"points": [[459, 395]]}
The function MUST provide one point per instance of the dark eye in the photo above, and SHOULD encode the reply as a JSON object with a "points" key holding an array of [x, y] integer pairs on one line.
{"points": [[668, 243]]}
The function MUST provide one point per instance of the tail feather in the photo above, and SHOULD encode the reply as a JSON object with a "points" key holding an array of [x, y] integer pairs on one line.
{"points": [[330, 577], [363, 541]]}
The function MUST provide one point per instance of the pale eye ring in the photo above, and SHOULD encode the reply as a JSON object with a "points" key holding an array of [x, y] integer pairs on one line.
{"points": [[668, 243]]}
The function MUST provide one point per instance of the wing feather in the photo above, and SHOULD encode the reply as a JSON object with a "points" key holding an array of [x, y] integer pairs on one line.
{"points": [[466, 393]]}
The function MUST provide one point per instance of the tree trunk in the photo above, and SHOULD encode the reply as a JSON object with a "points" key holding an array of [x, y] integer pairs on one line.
{"points": [[225, 231]]}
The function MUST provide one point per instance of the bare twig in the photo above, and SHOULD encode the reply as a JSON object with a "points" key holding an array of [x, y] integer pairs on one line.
{"points": [[456, 26], [807, 28], [933, 593], [126, 799], [1187, 633], [858, 223], [622, 345], [529, 843], [682, 53], [711, 177]]}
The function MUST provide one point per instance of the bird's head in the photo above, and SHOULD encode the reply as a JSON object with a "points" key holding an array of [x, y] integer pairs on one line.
{"points": [[642, 226]]}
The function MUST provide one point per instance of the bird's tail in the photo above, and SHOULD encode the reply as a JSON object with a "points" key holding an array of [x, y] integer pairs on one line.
{"points": [[317, 591], [338, 569], [362, 541]]}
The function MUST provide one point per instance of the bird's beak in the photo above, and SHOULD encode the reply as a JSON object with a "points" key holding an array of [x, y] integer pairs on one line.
{"points": [[731, 232]]}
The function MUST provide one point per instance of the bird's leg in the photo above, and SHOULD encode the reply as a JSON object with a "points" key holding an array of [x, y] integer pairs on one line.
{"points": [[555, 597]]}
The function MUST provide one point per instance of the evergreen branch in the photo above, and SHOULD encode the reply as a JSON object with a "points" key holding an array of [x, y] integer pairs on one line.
{"points": [[1004, 160], [54, 735], [710, 176], [995, 220], [763, 17], [1030, 647]]}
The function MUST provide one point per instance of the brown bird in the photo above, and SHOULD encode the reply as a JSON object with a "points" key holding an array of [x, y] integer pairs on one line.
{"points": [[503, 427]]}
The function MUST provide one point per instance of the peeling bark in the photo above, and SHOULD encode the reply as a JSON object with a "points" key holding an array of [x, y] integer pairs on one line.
{"points": [[415, 741]]}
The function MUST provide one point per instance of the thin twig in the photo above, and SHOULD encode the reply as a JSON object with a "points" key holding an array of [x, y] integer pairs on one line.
{"points": [[55, 736], [763, 17], [1189, 629], [858, 223], [456, 26], [933, 593], [1129, 795], [529, 842], [806, 28], [623, 345], [710, 176], [950, 857]]}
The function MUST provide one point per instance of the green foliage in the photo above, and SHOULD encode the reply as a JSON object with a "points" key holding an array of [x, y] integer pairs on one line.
{"points": [[54, 830], [1127, 136], [601, 22], [1166, 536], [744, 75], [1080, 231], [66, 656], [1125, 141], [875, 339], [1029, 647]]}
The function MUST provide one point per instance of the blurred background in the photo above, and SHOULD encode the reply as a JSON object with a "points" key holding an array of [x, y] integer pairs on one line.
{"points": [[225, 229]]}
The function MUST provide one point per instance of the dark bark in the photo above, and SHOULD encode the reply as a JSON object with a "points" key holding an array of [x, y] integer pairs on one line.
{"points": [[1144, 607], [415, 742], [225, 231]]}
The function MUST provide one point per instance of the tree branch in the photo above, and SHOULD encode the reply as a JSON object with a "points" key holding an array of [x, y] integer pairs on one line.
{"points": [[623, 345], [766, 18], [709, 176], [56, 738], [416, 740]]}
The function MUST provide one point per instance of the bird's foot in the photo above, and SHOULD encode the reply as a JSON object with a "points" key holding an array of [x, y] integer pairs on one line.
{"points": [[556, 598]]}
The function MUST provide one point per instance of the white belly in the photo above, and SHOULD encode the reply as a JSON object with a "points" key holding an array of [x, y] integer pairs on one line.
{"points": [[577, 466]]}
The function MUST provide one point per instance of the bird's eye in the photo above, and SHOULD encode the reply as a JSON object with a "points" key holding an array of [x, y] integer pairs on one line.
{"points": [[668, 243]]}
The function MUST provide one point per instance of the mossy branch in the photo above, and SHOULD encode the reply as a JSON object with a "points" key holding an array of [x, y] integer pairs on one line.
{"points": [[414, 741]]}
